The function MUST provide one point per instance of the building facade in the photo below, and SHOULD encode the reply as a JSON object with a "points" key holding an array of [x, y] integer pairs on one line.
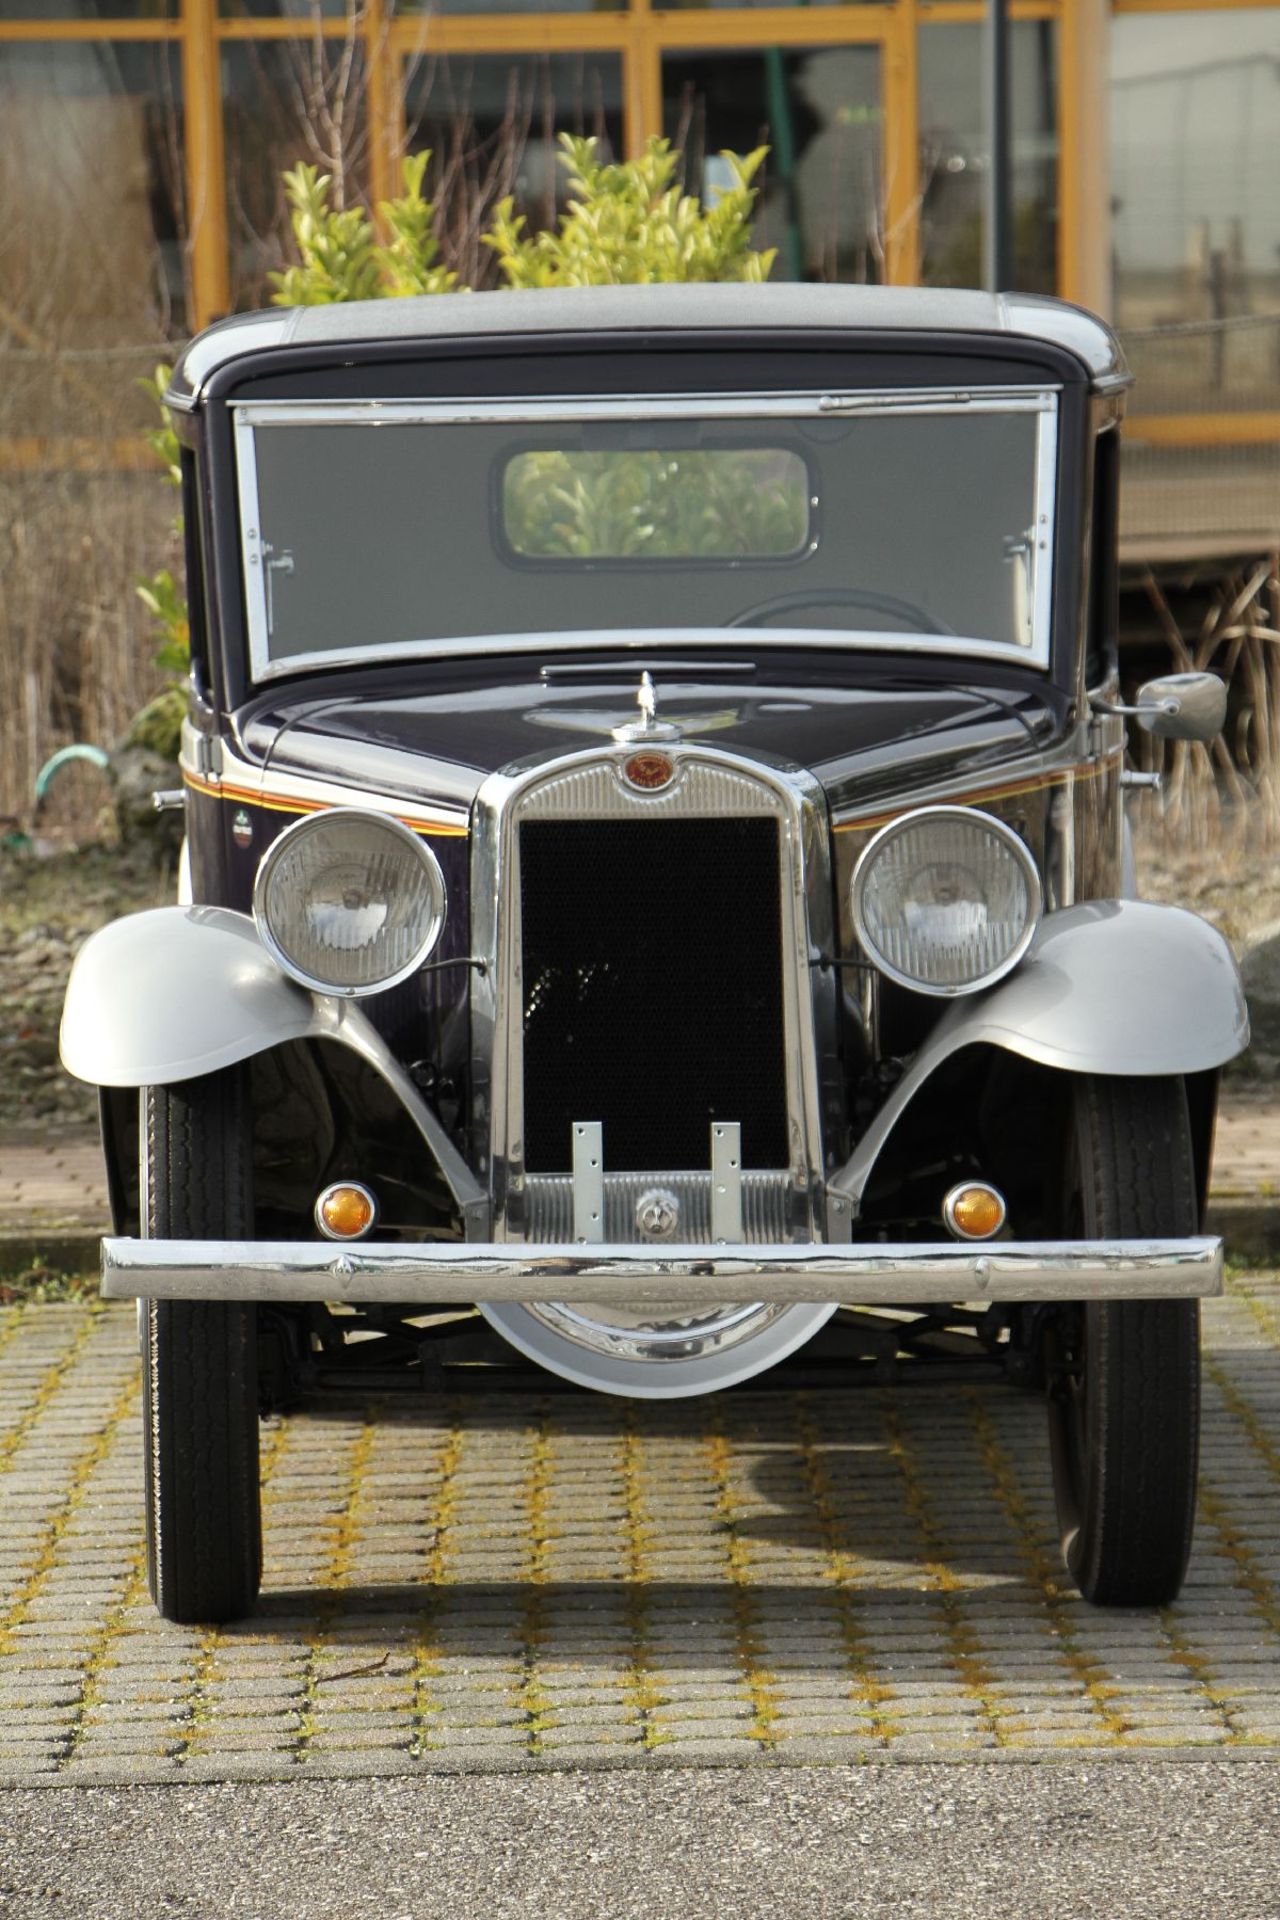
{"points": [[141, 144]]}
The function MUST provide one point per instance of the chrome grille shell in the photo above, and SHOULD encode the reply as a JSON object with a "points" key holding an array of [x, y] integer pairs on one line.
{"points": [[707, 783]]}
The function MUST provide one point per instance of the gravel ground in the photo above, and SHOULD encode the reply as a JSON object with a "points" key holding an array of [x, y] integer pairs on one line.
{"points": [[1142, 1839], [1237, 892]]}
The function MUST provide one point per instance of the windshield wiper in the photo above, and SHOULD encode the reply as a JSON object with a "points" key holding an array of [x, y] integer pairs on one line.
{"points": [[884, 402]]}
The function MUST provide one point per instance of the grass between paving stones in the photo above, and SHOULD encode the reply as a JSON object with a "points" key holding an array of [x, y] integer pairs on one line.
{"points": [[940, 1593], [34, 1284]]}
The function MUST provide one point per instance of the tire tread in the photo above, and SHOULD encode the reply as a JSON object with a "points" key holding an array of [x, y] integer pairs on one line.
{"points": [[1128, 1510], [204, 1532]]}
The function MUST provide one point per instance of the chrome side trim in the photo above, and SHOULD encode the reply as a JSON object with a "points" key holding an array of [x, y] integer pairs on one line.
{"points": [[235, 778], [799, 404], [639, 640], [1027, 772], [1040, 534], [870, 1275], [255, 572]]}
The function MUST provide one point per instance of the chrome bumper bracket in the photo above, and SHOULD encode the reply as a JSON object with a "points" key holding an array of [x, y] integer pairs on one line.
{"points": [[856, 1275]]}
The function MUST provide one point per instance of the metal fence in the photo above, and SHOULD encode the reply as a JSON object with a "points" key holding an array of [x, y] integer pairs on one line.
{"points": [[1201, 459], [1213, 366]]}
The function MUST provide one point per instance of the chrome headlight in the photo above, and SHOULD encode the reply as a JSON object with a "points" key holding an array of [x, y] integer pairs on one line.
{"points": [[946, 900], [349, 902]]}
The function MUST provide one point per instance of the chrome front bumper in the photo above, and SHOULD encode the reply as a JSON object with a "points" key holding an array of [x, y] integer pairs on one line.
{"points": [[868, 1275]]}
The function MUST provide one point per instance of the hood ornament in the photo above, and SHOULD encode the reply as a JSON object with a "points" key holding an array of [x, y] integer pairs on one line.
{"points": [[648, 727]]}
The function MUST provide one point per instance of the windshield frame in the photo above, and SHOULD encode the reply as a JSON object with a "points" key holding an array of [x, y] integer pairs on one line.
{"points": [[1040, 398]]}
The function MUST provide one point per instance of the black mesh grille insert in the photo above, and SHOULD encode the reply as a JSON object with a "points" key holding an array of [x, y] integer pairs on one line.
{"points": [[652, 990]]}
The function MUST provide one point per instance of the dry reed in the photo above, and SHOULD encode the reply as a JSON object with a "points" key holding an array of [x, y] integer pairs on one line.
{"points": [[1226, 795]]}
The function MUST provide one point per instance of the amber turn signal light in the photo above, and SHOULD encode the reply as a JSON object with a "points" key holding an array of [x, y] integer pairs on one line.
{"points": [[974, 1211], [345, 1211]]}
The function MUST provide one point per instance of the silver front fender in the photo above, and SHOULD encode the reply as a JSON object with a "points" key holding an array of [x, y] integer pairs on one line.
{"points": [[164, 996], [176, 992], [1112, 986]]}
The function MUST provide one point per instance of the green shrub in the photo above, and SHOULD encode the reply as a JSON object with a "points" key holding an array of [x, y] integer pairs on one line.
{"points": [[627, 223], [339, 253], [159, 725], [644, 505]]}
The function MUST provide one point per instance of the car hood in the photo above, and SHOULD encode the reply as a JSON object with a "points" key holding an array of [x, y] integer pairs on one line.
{"points": [[864, 742]]}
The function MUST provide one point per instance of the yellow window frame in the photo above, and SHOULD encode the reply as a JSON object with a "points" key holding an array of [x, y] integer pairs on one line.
{"points": [[640, 35]]}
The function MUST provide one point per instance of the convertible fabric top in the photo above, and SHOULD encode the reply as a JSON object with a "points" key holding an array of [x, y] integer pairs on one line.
{"points": [[715, 308]]}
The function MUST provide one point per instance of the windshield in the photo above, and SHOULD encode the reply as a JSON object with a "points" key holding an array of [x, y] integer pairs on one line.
{"points": [[389, 529]]}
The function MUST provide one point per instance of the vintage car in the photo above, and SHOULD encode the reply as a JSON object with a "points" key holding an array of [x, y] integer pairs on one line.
{"points": [[657, 889]]}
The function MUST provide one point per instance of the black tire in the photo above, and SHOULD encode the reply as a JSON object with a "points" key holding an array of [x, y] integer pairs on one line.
{"points": [[204, 1524], [1124, 1375]]}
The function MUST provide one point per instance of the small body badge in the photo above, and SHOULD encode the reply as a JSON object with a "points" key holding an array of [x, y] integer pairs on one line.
{"points": [[657, 1214], [242, 828]]}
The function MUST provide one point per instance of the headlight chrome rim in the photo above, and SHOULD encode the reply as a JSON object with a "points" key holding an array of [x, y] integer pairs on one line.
{"points": [[1015, 845], [379, 822]]}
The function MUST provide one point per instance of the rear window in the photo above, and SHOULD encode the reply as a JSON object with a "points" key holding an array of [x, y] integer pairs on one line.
{"points": [[664, 503]]}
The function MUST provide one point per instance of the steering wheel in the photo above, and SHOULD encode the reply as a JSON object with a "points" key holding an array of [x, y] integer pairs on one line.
{"points": [[843, 597]]}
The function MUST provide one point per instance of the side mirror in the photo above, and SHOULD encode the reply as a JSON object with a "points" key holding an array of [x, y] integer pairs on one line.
{"points": [[1177, 706], [1182, 706]]}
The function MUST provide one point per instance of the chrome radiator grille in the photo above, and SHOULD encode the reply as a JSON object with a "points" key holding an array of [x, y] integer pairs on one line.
{"points": [[652, 989], [652, 992], [767, 1206]]}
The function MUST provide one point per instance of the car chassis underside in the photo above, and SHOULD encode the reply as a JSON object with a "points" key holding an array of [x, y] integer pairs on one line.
{"points": [[315, 1348]]}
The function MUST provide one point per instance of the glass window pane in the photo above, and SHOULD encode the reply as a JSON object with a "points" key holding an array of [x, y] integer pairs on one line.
{"points": [[88, 9], [648, 505], [491, 122], [92, 244], [286, 101], [954, 155], [1195, 160], [300, 10], [818, 111], [415, 500], [701, 6]]}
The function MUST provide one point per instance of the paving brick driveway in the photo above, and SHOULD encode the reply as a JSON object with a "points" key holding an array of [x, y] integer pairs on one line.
{"points": [[528, 1581]]}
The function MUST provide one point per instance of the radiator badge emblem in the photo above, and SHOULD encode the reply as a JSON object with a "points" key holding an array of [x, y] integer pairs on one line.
{"points": [[657, 1214], [648, 770]]}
